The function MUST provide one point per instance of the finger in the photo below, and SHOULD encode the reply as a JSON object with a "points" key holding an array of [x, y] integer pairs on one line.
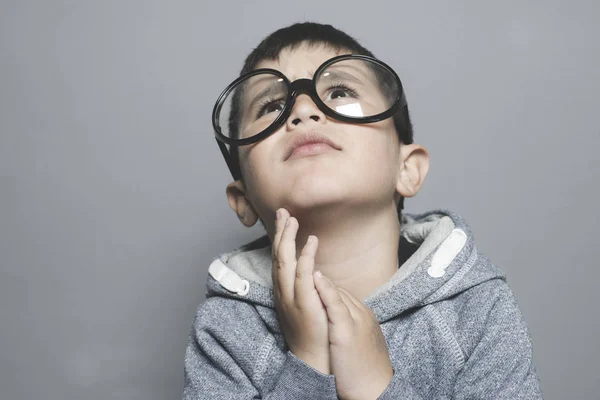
{"points": [[337, 311], [304, 285], [352, 308], [361, 310], [279, 223], [355, 302], [286, 259]]}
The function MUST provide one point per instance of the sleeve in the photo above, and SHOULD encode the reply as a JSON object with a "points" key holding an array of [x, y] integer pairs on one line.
{"points": [[212, 372], [500, 365], [399, 388]]}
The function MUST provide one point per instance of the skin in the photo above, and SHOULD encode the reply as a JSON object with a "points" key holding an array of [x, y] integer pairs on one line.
{"points": [[347, 201]]}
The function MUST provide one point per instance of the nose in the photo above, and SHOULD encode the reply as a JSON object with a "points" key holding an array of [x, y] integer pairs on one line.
{"points": [[304, 111]]}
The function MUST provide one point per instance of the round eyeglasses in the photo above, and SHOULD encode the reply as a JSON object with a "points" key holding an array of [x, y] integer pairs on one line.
{"points": [[349, 88]]}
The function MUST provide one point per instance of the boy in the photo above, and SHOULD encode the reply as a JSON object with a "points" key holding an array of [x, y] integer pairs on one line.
{"points": [[345, 297]]}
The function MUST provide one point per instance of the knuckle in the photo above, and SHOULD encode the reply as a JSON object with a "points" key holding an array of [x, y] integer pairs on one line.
{"points": [[282, 305], [301, 273], [337, 300], [300, 306]]}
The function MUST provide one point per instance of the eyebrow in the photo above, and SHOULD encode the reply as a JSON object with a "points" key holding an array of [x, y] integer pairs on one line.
{"points": [[268, 91], [343, 75]]}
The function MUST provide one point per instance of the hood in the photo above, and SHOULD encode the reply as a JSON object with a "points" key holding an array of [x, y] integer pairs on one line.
{"points": [[444, 262]]}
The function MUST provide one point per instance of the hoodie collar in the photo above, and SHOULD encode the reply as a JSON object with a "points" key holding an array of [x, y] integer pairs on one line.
{"points": [[440, 267]]}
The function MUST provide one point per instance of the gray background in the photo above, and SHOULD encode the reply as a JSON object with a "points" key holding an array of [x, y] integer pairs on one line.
{"points": [[113, 188]]}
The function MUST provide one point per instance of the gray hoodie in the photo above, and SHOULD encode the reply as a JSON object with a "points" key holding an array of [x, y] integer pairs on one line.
{"points": [[451, 323]]}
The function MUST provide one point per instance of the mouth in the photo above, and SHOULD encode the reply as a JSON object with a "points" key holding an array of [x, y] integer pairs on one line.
{"points": [[307, 144]]}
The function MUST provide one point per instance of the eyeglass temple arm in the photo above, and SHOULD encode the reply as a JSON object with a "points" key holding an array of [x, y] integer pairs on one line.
{"points": [[227, 158], [403, 102]]}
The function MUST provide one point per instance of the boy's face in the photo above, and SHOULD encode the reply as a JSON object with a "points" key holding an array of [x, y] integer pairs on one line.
{"points": [[365, 171]]}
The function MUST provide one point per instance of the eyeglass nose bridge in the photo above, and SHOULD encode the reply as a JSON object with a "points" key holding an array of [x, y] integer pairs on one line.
{"points": [[304, 86], [300, 86]]}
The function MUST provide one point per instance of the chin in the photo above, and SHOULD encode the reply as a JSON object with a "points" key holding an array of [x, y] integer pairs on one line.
{"points": [[310, 193], [307, 202], [315, 181]]}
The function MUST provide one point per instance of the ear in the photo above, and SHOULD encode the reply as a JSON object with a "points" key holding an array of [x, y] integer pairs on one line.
{"points": [[239, 203], [412, 168]]}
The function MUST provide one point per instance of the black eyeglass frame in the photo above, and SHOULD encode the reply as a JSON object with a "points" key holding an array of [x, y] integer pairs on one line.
{"points": [[299, 86]]}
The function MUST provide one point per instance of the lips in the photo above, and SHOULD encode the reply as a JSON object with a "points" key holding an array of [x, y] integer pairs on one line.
{"points": [[302, 139]]}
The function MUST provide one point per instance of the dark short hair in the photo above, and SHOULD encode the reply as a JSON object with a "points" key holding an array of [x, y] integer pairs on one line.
{"points": [[315, 34]]}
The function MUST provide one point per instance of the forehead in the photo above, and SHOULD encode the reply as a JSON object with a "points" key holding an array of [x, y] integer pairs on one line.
{"points": [[301, 62]]}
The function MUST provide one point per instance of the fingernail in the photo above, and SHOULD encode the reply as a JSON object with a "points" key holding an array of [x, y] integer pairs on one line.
{"points": [[278, 214], [318, 274]]}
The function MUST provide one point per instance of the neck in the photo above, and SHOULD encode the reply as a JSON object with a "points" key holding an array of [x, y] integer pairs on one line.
{"points": [[357, 251]]}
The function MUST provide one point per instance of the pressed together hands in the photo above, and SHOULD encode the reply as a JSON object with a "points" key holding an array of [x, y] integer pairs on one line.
{"points": [[324, 325]]}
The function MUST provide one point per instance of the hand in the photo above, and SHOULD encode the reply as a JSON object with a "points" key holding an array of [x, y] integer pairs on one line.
{"points": [[359, 355], [301, 313]]}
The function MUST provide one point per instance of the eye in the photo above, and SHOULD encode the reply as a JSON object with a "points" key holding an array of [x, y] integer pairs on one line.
{"points": [[341, 90], [270, 106], [338, 93]]}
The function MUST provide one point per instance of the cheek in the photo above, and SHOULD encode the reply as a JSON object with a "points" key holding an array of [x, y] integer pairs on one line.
{"points": [[376, 149], [251, 161], [377, 160], [257, 163]]}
